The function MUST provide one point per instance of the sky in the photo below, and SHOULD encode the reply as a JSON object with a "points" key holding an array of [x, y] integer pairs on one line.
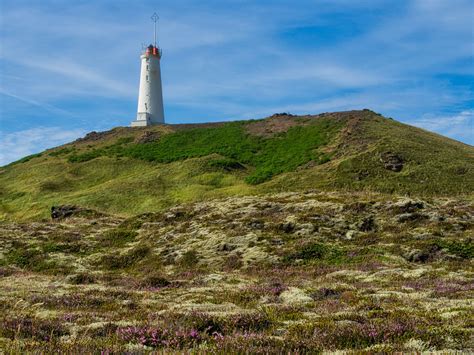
{"points": [[71, 67]]}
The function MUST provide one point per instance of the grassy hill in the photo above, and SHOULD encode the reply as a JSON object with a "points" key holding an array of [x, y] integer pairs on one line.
{"points": [[127, 171]]}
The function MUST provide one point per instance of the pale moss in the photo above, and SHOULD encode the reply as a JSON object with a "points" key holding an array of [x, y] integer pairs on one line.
{"points": [[295, 296]]}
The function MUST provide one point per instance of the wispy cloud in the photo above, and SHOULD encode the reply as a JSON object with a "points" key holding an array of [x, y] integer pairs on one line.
{"points": [[28, 101], [22, 143], [459, 126], [234, 59]]}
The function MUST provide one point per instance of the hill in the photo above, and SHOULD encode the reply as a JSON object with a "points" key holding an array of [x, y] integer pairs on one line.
{"points": [[285, 234], [127, 171]]}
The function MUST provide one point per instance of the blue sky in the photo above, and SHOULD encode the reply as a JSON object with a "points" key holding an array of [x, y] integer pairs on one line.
{"points": [[70, 67]]}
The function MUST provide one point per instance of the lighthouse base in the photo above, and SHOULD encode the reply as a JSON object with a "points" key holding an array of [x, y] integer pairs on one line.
{"points": [[141, 123], [144, 119]]}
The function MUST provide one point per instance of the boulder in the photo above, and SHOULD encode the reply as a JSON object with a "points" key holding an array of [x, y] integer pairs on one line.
{"points": [[256, 224], [64, 211], [408, 217], [367, 224], [392, 161], [406, 206], [287, 227]]}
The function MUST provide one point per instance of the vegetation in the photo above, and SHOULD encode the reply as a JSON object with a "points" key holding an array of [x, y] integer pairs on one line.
{"points": [[292, 272], [129, 171]]}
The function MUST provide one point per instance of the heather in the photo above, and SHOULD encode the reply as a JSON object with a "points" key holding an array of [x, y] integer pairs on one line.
{"points": [[289, 272]]}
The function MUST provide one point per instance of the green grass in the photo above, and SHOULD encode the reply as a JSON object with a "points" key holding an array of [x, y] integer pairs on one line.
{"points": [[268, 156]]}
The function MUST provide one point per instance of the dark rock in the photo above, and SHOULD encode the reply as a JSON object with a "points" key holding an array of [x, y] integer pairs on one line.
{"points": [[361, 175], [407, 206], [226, 247], [461, 170], [416, 256], [147, 137], [392, 161], [287, 227], [325, 293], [256, 224], [81, 279], [175, 215], [422, 256], [64, 211], [282, 114], [408, 217], [155, 281], [367, 224], [93, 136]]}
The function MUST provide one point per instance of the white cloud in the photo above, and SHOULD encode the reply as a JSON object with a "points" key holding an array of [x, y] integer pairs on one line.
{"points": [[459, 126], [238, 58], [16, 145]]}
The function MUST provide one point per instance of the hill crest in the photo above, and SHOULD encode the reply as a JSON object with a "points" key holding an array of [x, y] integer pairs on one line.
{"points": [[133, 170]]}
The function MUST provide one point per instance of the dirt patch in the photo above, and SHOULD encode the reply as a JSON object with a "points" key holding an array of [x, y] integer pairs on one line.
{"points": [[147, 137], [278, 123]]}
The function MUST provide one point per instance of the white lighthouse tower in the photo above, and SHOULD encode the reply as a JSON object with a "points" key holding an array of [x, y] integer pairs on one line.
{"points": [[150, 97]]}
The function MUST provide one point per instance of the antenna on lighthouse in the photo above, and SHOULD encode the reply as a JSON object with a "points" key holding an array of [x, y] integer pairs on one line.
{"points": [[155, 19]]}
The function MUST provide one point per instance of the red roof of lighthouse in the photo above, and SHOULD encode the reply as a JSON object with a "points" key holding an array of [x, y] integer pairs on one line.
{"points": [[151, 50]]}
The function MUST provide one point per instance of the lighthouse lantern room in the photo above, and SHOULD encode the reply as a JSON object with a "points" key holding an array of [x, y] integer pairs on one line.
{"points": [[150, 96]]}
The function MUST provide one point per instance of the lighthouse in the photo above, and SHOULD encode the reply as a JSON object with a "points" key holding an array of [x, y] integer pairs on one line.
{"points": [[150, 95]]}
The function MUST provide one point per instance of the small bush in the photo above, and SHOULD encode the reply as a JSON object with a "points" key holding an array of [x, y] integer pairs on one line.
{"points": [[81, 279], [83, 157], [43, 330], [233, 262], [62, 151], [226, 164], [125, 260], [118, 237], [155, 281], [189, 259], [245, 322], [31, 259], [317, 251], [463, 249], [27, 158], [160, 337]]}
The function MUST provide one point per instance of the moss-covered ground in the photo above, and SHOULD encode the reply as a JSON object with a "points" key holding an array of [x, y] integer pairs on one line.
{"points": [[288, 272]]}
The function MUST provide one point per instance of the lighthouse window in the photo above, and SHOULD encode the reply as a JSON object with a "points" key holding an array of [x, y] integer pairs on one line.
{"points": [[147, 67], [147, 78]]}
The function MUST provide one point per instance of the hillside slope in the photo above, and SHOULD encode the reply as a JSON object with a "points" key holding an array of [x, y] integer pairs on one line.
{"points": [[127, 171]]}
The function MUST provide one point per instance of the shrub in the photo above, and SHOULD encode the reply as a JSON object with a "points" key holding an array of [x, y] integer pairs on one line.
{"points": [[154, 281], [118, 237], [233, 262], [86, 156], [125, 260], [463, 249], [189, 259], [44, 330], [81, 279], [210, 323], [226, 164], [317, 251], [32, 259], [27, 158], [62, 151], [160, 337]]}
